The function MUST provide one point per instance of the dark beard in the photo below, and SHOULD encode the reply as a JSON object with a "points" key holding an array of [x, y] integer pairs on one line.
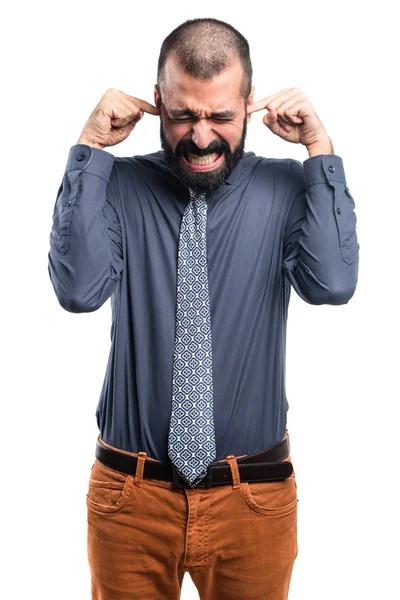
{"points": [[207, 180]]}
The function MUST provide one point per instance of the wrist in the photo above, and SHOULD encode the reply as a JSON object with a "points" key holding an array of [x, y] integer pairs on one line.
{"points": [[323, 146], [83, 140]]}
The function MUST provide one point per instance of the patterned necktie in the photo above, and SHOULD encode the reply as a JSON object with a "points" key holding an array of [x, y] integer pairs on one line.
{"points": [[191, 439]]}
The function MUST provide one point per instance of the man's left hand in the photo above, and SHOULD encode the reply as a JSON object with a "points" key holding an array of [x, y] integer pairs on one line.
{"points": [[292, 117]]}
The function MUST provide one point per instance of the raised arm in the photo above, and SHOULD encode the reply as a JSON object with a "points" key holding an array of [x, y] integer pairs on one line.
{"points": [[86, 255], [85, 259], [320, 246]]}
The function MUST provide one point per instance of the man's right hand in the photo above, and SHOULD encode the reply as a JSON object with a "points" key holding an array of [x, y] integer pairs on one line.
{"points": [[114, 118]]}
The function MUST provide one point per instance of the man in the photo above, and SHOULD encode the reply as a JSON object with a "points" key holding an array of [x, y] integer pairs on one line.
{"points": [[197, 245]]}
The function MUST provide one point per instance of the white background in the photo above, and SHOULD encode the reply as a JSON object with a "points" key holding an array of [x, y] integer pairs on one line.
{"points": [[342, 361]]}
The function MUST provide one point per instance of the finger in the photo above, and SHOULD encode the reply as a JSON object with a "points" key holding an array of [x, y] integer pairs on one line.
{"points": [[286, 97], [122, 121], [287, 103], [148, 108], [262, 104], [271, 120], [293, 111], [285, 126], [275, 124], [284, 100]]}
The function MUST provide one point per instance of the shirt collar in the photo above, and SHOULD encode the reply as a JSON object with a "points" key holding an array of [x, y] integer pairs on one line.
{"points": [[232, 177]]}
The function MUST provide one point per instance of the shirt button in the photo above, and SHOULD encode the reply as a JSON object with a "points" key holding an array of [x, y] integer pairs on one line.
{"points": [[69, 202], [338, 210], [80, 157], [331, 168]]}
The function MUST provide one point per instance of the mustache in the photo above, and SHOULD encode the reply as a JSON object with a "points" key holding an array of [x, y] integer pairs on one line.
{"points": [[185, 146]]}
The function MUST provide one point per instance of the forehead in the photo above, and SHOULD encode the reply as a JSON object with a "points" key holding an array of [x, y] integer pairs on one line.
{"points": [[181, 90]]}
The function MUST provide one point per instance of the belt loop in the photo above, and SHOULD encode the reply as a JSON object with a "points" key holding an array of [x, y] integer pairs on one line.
{"points": [[140, 468], [235, 471]]}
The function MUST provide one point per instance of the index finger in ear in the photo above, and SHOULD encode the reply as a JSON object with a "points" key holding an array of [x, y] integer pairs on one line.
{"points": [[149, 108], [261, 104]]}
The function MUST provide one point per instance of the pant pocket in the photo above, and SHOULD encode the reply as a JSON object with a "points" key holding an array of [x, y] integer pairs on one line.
{"points": [[108, 490], [271, 498]]}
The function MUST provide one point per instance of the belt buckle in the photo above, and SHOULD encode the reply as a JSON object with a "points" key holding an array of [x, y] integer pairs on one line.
{"points": [[176, 485], [176, 480]]}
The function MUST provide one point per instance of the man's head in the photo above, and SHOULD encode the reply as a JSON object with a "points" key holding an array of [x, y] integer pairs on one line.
{"points": [[203, 88]]}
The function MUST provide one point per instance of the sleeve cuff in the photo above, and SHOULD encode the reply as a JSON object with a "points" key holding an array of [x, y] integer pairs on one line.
{"points": [[323, 168], [91, 160]]}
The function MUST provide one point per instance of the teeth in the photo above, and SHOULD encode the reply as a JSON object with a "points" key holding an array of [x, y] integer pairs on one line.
{"points": [[203, 160]]}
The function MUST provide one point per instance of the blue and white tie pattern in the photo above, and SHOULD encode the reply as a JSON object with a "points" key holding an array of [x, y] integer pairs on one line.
{"points": [[191, 438]]}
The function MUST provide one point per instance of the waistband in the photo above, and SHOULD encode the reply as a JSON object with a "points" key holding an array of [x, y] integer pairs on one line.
{"points": [[270, 464]]}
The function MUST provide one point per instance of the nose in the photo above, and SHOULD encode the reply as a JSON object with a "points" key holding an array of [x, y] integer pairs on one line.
{"points": [[202, 134]]}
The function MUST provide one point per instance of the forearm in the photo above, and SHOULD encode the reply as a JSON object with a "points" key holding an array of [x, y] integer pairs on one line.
{"points": [[87, 142], [324, 146], [321, 258], [85, 257]]}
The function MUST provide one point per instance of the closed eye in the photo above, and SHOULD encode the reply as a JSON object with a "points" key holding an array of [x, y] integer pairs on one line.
{"points": [[188, 120], [181, 120]]}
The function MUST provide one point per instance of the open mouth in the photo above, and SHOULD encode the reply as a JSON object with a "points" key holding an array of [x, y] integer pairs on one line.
{"points": [[203, 163]]}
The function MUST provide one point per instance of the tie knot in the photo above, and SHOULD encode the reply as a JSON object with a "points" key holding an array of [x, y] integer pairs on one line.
{"points": [[197, 195]]}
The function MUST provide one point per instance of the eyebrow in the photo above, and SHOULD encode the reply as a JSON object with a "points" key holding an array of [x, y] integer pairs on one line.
{"points": [[182, 112]]}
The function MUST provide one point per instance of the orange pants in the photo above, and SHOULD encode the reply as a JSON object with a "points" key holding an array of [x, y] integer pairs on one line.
{"points": [[237, 541]]}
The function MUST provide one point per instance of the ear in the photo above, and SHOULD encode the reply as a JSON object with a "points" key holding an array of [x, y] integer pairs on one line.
{"points": [[250, 101], [157, 96]]}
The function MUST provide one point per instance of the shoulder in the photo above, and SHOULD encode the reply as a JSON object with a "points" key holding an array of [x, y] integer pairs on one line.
{"points": [[149, 170], [281, 170], [151, 161], [277, 164]]}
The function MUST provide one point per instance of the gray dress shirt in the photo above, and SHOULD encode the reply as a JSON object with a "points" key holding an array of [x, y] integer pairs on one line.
{"points": [[275, 223]]}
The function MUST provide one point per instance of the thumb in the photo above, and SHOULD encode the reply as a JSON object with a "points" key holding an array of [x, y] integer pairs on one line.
{"points": [[271, 120]]}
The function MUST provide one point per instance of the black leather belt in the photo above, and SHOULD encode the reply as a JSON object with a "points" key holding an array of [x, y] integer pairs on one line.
{"points": [[266, 465]]}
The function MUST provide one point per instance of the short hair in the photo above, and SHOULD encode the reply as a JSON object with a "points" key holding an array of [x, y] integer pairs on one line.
{"points": [[204, 48]]}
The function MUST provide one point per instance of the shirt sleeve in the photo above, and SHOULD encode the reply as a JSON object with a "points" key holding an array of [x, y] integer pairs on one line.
{"points": [[320, 245], [85, 260]]}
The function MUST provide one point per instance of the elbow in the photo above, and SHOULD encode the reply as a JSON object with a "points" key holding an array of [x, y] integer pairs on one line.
{"points": [[334, 286], [83, 297], [77, 305], [335, 290], [342, 287], [68, 301], [338, 296], [333, 295], [73, 303]]}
